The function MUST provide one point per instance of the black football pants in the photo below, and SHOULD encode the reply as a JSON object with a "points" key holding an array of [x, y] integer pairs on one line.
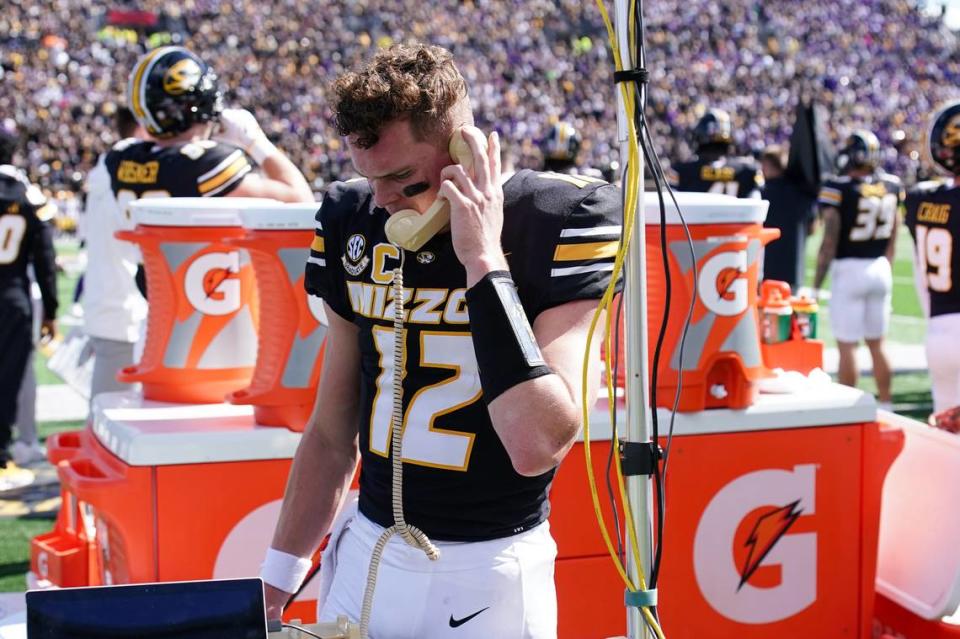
{"points": [[16, 341]]}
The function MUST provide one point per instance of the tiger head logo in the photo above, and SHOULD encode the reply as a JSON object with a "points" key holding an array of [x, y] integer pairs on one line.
{"points": [[182, 77]]}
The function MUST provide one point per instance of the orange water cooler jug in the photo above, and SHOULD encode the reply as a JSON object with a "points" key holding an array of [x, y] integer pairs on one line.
{"points": [[290, 350], [201, 338], [721, 355]]}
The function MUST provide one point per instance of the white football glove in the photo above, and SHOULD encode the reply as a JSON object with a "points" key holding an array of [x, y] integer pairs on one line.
{"points": [[240, 128]]}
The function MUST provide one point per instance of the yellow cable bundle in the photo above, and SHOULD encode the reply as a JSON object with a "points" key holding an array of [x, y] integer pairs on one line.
{"points": [[632, 185]]}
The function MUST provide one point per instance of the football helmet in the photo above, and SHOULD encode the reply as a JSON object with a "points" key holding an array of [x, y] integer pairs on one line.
{"points": [[943, 138], [561, 143], [171, 89], [860, 151], [713, 128]]}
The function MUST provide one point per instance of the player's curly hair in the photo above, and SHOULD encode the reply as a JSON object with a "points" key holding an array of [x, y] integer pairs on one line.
{"points": [[416, 82]]}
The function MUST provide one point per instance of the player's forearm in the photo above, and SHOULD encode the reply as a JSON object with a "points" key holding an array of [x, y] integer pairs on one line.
{"points": [[824, 258], [537, 422], [318, 484], [45, 269], [278, 166]]}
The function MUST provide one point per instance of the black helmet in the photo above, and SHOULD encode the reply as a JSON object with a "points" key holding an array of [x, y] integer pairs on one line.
{"points": [[171, 89], [860, 151], [561, 143], [944, 138], [713, 128]]}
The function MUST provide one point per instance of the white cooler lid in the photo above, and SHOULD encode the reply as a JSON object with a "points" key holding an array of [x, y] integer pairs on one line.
{"points": [[194, 211], [815, 404], [705, 208], [279, 217], [147, 433]]}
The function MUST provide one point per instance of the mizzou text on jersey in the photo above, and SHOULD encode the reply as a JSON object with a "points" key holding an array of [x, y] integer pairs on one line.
{"points": [[560, 236]]}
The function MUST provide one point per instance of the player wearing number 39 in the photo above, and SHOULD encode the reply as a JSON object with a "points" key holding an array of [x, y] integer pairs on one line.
{"points": [[497, 311], [859, 210], [935, 226]]}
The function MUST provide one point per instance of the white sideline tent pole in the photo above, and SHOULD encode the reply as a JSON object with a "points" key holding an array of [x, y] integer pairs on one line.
{"points": [[639, 429]]}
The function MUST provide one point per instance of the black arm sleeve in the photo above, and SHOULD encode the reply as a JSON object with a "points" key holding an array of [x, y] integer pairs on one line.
{"points": [[45, 268]]}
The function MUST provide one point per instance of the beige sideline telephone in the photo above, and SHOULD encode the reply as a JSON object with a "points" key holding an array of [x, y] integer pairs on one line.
{"points": [[410, 229]]}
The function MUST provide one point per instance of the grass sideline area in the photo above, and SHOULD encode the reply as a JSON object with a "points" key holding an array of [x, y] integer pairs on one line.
{"points": [[911, 392]]}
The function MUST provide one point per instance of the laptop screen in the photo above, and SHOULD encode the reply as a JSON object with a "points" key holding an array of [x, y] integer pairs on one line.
{"points": [[223, 608]]}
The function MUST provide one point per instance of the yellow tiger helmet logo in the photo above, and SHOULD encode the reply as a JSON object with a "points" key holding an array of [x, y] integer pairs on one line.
{"points": [[951, 132], [183, 76]]}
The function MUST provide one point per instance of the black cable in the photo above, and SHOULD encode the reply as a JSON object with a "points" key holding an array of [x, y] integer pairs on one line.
{"points": [[657, 173], [301, 629], [310, 575], [614, 432]]}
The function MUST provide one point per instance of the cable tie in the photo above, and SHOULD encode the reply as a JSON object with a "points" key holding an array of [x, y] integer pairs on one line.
{"points": [[631, 75], [639, 458], [640, 598]]}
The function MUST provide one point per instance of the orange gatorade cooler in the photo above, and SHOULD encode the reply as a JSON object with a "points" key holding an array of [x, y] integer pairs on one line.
{"points": [[202, 323], [721, 357], [155, 491], [289, 355]]}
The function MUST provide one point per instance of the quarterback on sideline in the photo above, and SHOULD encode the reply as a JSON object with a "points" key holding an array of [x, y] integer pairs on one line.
{"points": [[935, 227], [498, 308], [175, 97], [859, 210]]}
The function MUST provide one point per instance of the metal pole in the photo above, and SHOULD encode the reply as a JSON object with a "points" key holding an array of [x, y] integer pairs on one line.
{"points": [[639, 429]]}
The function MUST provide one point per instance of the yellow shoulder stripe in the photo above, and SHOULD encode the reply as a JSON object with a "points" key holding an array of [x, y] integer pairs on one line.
{"points": [[317, 244], [588, 251], [232, 169]]}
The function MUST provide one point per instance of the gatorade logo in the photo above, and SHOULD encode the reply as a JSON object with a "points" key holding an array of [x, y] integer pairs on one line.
{"points": [[766, 503], [722, 283], [211, 284]]}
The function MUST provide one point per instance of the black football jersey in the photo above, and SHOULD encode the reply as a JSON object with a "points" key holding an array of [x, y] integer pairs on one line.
{"points": [[195, 169], [25, 239], [868, 209], [934, 225], [560, 236], [739, 177]]}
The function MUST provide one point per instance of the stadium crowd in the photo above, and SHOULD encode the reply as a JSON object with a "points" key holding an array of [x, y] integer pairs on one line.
{"points": [[876, 64]]}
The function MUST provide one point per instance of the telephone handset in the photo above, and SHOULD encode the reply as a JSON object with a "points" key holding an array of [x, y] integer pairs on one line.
{"points": [[409, 229]]}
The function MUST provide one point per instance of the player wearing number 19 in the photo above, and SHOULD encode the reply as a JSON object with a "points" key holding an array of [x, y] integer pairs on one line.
{"points": [[859, 210], [25, 238], [935, 226]]}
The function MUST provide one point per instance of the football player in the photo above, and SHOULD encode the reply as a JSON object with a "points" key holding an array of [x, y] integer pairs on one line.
{"points": [[935, 226], [25, 238], [174, 96], [713, 170], [859, 212], [560, 148], [497, 311]]}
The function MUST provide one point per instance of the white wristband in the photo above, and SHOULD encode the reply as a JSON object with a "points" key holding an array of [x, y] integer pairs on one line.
{"points": [[260, 149], [284, 571]]}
